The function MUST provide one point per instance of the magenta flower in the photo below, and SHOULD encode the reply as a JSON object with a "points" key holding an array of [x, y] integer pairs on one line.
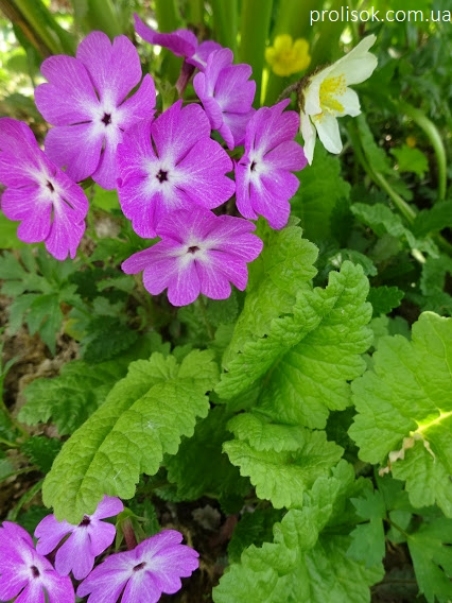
{"points": [[263, 175], [49, 205], [182, 43], [86, 541], [154, 567], [169, 164], [199, 253], [26, 574], [226, 95], [86, 99]]}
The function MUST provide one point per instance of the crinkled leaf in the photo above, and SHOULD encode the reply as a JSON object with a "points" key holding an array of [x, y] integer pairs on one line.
{"points": [[404, 408], [284, 267], [253, 528], [431, 552], [107, 337], [283, 477], [144, 417], [298, 565], [72, 397], [382, 220], [309, 355]]}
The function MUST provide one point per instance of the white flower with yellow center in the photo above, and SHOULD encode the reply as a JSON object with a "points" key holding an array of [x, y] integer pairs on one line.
{"points": [[327, 97]]}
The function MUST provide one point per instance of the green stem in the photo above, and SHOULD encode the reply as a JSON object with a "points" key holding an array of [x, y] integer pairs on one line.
{"points": [[196, 13], [225, 14], [168, 20], [255, 24], [28, 496], [432, 133], [103, 15], [326, 47], [8, 443], [202, 305]]}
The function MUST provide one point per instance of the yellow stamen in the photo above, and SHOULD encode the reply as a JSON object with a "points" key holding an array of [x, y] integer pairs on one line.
{"points": [[330, 88]]}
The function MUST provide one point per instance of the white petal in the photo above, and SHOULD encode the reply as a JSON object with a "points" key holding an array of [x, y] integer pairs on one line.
{"points": [[358, 65], [309, 135], [328, 131], [350, 101]]}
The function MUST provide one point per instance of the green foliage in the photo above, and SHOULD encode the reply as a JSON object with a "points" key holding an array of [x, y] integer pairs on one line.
{"points": [[368, 539], [304, 563], [434, 219], [42, 451], [201, 467], [322, 189], [410, 160], [384, 299], [69, 399], [107, 336], [143, 417], [282, 461], [307, 356], [39, 286], [405, 411]]}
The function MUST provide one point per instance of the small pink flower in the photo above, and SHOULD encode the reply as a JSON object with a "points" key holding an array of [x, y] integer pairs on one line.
{"points": [[26, 574], [199, 253], [154, 567], [86, 541]]}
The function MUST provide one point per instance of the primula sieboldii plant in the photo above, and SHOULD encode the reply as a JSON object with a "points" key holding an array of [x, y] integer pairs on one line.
{"points": [[170, 170], [169, 164], [199, 252], [87, 102], [50, 206], [143, 573], [264, 177], [327, 96], [81, 543], [25, 573]]}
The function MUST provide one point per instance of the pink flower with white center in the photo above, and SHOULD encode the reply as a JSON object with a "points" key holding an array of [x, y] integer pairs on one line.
{"points": [[226, 95], [141, 575], [171, 163], [263, 175], [86, 541], [199, 253], [26, 574], [182, 43], [87, 101], [49, 205]]}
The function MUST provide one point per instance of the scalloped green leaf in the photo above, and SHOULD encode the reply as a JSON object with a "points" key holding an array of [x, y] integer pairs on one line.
{"points": [[299, 565], [308, 356], [404, 408], [144, 417], [283, 477], [285, 266]]}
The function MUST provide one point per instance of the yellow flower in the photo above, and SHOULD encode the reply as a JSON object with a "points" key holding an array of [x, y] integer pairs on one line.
{"points": [[286, 57]]}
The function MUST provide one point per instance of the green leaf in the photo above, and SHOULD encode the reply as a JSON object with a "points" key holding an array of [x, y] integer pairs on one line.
{"points": [[284, 267], [309, 355], [299, 565], [368, 539], [384, 299], [9, 236], [144, 417], [42, 451], [431, 552], [281, 476], [200, 467], [404, 411], [434, 219], [253, 528], [382, 220], [107, 337], [69, 399], [322, 188], [410, 159]]}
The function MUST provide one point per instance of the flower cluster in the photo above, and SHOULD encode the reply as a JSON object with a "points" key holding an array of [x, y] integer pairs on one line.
{"points": [[170, 170], [153, 567]]}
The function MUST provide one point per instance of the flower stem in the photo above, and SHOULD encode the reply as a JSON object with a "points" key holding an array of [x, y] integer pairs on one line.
{"points": [[255, 24], [129, 534], [202, 305], [168, 20], [432, 133]]}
